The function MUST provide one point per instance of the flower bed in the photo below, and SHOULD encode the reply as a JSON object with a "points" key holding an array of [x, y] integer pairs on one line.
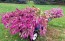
{"points": [[29, 21]]}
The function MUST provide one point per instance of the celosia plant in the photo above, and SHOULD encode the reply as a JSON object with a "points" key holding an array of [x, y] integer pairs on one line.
{"points": [[28, 21], [53, 13]]}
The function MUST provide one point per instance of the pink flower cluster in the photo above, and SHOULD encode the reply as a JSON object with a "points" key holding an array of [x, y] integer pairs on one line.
{"points": [[54, 13], [26, 20], [57, 12]]}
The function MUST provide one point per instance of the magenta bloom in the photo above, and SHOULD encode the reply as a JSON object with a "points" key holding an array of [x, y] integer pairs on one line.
{"points": [[56, 12], [26, 21]]}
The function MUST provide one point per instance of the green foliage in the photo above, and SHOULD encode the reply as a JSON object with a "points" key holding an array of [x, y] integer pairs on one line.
{"points": [[10, 1], [48, 1], [40, 1]]}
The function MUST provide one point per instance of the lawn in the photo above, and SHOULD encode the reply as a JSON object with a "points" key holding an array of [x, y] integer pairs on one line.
{"points": [[56, 27]]}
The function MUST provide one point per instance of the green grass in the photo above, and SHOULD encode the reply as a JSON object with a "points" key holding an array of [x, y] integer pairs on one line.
{"points": [[58, 23]]}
